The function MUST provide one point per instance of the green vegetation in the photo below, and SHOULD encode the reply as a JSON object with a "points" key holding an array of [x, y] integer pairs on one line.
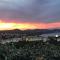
{"points": [[29, 51]]}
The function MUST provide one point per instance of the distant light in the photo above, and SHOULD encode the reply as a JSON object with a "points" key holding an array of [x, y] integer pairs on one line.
{"points": [[57, 35]]}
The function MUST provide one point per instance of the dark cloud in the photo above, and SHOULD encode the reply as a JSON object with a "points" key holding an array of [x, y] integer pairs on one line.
{"points": [[30, 10]]}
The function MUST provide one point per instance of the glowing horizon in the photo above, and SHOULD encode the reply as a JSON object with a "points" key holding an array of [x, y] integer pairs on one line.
{"points": [[27, 25], [29, 14]]}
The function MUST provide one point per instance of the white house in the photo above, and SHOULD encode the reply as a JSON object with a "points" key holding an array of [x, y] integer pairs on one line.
{"points": [[34, 38]]}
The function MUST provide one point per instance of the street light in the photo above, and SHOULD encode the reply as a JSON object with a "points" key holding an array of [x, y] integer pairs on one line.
{"points": [[57, 36]]}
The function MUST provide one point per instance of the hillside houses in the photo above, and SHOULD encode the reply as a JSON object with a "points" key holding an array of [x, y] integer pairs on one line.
{"points": [[14, 37], [34, 38]]}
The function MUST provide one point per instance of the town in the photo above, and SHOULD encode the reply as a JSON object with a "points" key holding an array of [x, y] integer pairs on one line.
{"points": [[7, 38], [18, 45]]}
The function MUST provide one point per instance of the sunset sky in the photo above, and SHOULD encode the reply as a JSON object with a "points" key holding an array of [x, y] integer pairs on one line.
{"points": [[29, 14]]}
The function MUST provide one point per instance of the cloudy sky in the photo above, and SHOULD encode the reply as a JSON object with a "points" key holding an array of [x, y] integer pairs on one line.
{"points": [[45, 12]]}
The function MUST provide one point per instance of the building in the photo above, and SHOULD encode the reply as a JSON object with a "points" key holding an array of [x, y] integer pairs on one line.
{"points": [[34, 38]]}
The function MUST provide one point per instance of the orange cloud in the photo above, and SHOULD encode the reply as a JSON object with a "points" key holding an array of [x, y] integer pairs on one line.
{"points": [[27, 25]]}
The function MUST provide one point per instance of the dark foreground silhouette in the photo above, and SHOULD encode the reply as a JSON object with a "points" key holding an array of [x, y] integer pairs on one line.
{"points": [[23, 50]]}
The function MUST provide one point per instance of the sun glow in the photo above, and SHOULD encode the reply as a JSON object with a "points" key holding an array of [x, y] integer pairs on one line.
{"points": [[27, 25], [6, 26], [9, 26]]}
